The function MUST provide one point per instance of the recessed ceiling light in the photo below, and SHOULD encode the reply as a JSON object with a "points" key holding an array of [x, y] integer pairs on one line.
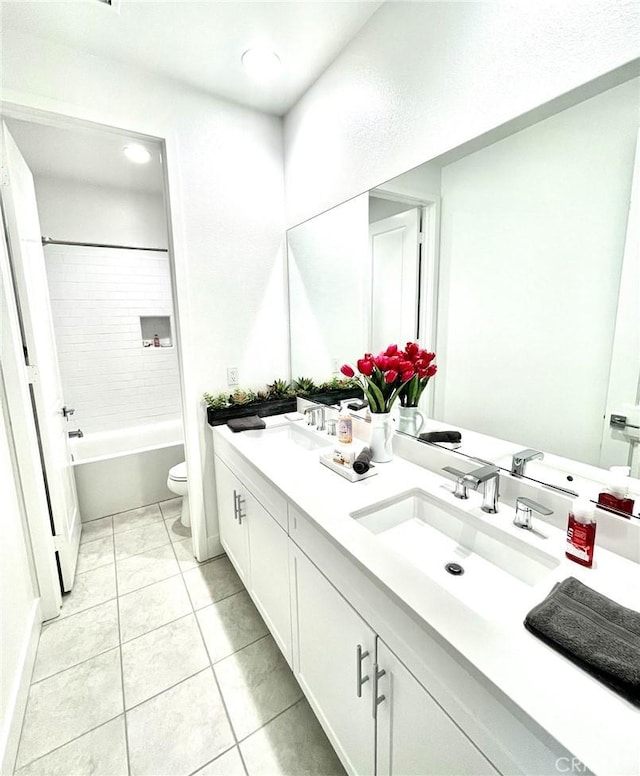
{"points": [[137, 154], [261, 63]]}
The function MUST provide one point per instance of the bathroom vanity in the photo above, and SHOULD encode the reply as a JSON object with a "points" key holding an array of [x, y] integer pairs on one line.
{"points": [[410, 669]]}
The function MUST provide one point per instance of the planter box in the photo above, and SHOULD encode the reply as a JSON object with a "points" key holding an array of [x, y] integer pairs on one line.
{"points": [[333, 397], [216, 417]]}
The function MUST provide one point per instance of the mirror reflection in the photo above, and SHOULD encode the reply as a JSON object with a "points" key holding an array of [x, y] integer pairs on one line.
{"points": [[518, 263]]}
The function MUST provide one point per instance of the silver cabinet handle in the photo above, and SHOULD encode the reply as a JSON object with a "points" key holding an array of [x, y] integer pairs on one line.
{"points": [[241, 501], [67, 412], [360, 656], [377, 699], [235, 505]]}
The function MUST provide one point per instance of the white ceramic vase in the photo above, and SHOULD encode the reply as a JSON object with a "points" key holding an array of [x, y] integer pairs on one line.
{"points": [[410, 420], [381, 437]]}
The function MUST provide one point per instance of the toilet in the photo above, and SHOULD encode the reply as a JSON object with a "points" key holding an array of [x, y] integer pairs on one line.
{"points": [[177, 483]]}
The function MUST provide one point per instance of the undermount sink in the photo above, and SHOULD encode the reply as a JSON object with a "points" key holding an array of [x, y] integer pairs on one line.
{"points": [[478, 562], [290, 433]]}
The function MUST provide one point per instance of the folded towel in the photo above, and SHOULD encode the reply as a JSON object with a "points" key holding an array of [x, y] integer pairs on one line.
{"points": [[596, 633], [362, 464], [441, 436], [246, 424]]}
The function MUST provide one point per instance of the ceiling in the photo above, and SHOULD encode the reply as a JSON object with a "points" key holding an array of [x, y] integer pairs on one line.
{"points": [[201, 43], [88, 155]]}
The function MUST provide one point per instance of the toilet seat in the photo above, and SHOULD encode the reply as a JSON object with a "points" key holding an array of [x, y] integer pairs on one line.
{"points": [[178, 473]]}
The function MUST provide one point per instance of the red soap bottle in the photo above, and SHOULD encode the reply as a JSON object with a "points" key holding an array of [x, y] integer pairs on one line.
{"points": [[616, 496], [581, 532]]}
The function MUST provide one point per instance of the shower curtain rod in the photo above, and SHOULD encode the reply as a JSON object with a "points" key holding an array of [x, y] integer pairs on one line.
{"points": [[50, 241]]}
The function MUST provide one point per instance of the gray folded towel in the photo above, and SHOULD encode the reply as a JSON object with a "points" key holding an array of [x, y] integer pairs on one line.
{"points": [[441, 436], [596, 633], [246, 424], [362, 464]]}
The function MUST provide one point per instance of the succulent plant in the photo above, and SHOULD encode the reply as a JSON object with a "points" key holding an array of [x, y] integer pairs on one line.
{"points": [[304, 386], [217, 402], [242, 397], [279, 389]]}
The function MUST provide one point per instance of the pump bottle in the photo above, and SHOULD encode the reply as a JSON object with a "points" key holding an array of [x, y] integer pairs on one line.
{"points": [[581, 532], [616, 495]]}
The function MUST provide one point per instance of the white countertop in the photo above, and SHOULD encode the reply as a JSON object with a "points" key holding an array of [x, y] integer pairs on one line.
{"points": [[595, 724]]}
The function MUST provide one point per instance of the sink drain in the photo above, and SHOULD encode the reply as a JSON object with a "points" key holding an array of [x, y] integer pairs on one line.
{"points": [[454, 568]]}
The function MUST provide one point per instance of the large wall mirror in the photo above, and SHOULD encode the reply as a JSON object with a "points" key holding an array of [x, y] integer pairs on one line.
{"points": [[516, 259]]}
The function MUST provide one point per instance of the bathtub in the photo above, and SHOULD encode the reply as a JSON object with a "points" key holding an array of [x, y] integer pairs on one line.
{"points": [[125, 469]]}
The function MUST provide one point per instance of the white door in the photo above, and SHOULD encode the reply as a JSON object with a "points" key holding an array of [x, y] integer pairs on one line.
{"points": [[415, 737], [333, 659], [394, 279], [232, 519], [269, 553], [32, 294]]}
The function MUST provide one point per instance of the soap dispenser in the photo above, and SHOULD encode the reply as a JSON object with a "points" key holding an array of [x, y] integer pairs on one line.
{"points": [[616, 495], [581, 532]]}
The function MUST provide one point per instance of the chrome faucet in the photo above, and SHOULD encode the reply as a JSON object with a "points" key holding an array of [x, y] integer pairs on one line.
{"points": [[489, 476], [524, 508], [316, 417], [519, 460]]}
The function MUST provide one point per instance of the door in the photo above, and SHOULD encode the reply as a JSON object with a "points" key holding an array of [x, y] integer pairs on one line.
{"points": [[269, 553], [394, 279], [232, 519], [333, 662], [32, 295], [415, 737]]}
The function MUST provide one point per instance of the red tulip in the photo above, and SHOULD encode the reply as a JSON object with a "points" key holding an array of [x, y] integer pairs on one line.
{"points": [[405, 365], [391, 350], [382, 362], [365, 366], [431, 370], [347, 370], [394, 363], [412, 349], [391, 376], [407, 375]]}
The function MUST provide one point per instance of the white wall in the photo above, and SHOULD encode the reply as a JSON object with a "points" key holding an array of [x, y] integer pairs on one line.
{"points": [[421, 78], [532, 239], [222, 160], [18, 604], [80, 212], [97, 298]]}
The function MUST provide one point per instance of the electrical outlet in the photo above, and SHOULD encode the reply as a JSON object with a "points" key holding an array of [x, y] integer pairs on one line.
{"points": [[233, 375], [334, 366]]}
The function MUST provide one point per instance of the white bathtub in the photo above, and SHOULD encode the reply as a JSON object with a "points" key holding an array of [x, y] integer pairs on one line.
{"points": [[120, 470]]}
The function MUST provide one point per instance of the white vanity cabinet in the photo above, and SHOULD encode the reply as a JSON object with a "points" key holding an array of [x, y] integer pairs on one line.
{"points": [[258, 547], [333, 660], [415, 737]]}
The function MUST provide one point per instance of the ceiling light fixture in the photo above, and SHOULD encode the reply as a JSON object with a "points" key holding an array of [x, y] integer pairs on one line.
{"points": [[261, 63], [137, 154]]}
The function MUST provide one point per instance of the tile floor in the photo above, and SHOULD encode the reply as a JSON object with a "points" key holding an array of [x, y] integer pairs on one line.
{"points": [[161, 666]]}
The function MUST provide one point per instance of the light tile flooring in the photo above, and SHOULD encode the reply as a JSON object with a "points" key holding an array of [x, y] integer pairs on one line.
{"points": [[159, 665]]}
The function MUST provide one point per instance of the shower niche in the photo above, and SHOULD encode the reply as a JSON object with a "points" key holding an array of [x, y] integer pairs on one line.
{"points": [[156, 331]]}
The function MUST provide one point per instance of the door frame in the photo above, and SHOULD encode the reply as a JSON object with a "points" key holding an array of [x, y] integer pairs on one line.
{"points": [[37, 110]]}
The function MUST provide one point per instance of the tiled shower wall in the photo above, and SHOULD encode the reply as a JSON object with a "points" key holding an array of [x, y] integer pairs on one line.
{"points": [[97, 298]]}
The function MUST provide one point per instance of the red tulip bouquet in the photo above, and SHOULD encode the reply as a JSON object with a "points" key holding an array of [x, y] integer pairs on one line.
{"points": [[393, 373]]}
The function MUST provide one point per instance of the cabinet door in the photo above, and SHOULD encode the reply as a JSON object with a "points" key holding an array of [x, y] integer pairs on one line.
{"points": [[232, 519], [269, 553], [327, 635], [415, 737]]}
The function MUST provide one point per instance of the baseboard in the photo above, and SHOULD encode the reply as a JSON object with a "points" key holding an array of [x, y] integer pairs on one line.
{"points": [[16, 707]]}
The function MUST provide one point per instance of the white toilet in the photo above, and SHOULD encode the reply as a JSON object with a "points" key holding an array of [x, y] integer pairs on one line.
{"points": [[177, 483]]}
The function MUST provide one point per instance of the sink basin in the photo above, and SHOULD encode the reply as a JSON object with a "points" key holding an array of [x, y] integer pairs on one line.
{"points": [[289, 433], [496, 566]]}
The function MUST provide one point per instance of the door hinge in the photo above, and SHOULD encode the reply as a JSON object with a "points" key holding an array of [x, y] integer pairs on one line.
{"points": [[421, 238], [32, 373], [57, 543], [4, 176]]}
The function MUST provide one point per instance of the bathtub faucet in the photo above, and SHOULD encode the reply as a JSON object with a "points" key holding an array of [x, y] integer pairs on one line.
{"points": [[77, 434]]}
